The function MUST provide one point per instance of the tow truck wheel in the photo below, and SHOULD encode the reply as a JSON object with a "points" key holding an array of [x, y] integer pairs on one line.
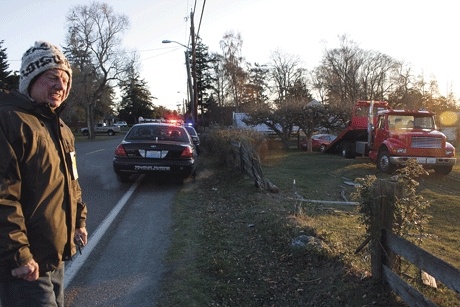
{"points": [[384, 164], [347, 150]]}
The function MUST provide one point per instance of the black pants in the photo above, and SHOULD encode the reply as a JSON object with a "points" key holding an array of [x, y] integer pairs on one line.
{"points": [[47, 291]]}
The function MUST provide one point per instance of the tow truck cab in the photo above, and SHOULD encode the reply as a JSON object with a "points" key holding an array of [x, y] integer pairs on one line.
{"points": [[400, 135]]}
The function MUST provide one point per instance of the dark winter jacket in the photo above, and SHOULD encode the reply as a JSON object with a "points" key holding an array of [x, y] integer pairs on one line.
{"points": [[40, 197]]}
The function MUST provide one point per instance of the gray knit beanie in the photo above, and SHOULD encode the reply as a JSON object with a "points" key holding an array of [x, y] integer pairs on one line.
{"points": [[41, 57]]}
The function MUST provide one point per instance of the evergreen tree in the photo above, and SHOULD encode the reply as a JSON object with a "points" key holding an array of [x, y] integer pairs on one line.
{"points": [[8, 80], [255, 90], [203, 75], [4, 72], [136, 99]]}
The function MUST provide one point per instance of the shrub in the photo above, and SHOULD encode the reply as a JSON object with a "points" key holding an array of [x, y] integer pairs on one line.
{"points": [[219, 142], [407, 208]]}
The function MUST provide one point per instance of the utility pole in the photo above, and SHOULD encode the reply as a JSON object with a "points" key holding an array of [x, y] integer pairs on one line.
{"points": [[190, 86], [195, 84], [190, 90]]}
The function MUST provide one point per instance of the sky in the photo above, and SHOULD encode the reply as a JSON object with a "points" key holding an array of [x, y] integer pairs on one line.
{"points": [[424, 34]]}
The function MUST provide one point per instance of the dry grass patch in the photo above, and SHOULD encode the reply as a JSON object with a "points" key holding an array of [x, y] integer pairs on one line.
{"points": [[232, 242]]}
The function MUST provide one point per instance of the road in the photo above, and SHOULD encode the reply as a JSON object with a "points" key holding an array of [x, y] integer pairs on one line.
{"points": [[129, 227]]}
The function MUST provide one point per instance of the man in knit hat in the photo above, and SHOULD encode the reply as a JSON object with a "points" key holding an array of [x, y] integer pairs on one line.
{"points": [[42, 214]]}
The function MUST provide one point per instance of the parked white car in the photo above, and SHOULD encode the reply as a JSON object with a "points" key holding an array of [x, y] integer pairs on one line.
{"points": [[121, 124]]}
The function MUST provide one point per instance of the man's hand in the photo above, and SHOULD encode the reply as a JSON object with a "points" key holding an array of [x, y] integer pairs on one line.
{"points": [[82, 234], [29, 271]]}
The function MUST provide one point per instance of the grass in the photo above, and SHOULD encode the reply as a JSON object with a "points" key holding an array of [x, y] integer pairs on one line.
{"points": [[231, 244]]}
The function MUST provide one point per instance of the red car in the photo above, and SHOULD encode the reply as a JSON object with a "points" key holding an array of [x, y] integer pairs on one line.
{"points": [[319, 142]]}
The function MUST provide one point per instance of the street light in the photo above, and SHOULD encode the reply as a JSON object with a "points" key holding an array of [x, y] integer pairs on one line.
{"points": [[167, 41], [193, 89]]}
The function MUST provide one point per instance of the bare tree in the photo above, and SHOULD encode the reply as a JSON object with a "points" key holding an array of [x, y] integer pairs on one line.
{"points": [[281, 120], [376, 74], [319, 85], [349, 73], [255, 90], [289, 86], [286, 72], [219, 89], [231, 45], [340, 71], [415, 92], [94, 44]]}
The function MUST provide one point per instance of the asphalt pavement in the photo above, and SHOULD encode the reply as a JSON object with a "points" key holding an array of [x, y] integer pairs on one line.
{"points": [[129, 228], [126, 265]]}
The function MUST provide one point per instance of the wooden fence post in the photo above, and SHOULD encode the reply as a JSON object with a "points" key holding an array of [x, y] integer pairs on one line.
{"points": [[375, 232], [384, 194]]}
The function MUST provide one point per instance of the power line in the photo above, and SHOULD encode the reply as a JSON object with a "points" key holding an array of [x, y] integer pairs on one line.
{"points": [[157, 55], [154, 49]]}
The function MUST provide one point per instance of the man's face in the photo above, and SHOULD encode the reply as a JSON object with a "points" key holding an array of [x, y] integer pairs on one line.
{"points": [[50, 87]]}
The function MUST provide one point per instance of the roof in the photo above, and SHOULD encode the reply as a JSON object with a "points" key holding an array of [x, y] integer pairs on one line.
{"points": [[157, 124], [408, 112]]}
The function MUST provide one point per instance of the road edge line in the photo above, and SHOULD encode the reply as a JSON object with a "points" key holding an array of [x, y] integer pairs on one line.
{"points": [[72, 267]]}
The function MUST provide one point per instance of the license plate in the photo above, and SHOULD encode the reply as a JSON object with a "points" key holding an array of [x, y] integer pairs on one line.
{"points": [[153, 154], [430, 160], [421, 160]]}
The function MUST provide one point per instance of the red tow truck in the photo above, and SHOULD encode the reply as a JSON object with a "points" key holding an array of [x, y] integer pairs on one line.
{"points": [[391, 137]]}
